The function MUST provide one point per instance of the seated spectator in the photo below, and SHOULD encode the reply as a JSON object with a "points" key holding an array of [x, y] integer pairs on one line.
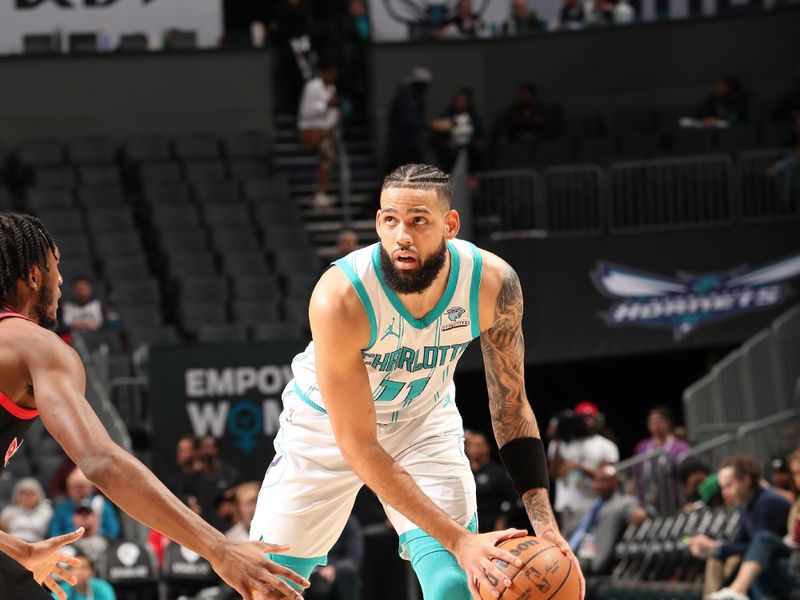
{"points": [[528, 120], [28, 517], [340, 579], [762, 511], [780, 479], [346, 242], [93, 543], [662, 488], [523, 20], [88, 586], [572, 15], [466, 24], [80, 489], [180, 479], [317, 115], [789, 106], [692, 473], [494, 489], [725, 106], [244, 507], [214, 479], [602, 526], [82, 312], [575, 453], [459, 129]]}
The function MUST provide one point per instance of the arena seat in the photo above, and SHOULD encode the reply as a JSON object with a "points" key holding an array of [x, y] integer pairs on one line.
{"points": [[637, 145], [203, 289], [196, 146], [229, 332], [244, 264], [136, 291], [63, 221], [191, 264], [559, 150], [689, 142], [219, 192], [75, 247], [245, 144], [243, 169], [274, 191], [54, 177], [38, 199], [42, 152], [227, 215], [184, 240], [250, 313], [90, 151], [151, 336], [101, 196], [146, 148], [175, 217], [139, 315], [277, 331], [99, 176], [255, 289], [125, 267], [204, 171], [160, 173], [193, 314], [234, 239], [166, 194], [118, 243]]}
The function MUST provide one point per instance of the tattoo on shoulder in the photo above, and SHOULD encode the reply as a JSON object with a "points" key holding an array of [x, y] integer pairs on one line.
{"points": [[503, 349]]}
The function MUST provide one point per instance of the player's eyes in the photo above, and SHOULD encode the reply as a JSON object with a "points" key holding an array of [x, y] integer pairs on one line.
{"points": [[388, 219], [420, 221]]}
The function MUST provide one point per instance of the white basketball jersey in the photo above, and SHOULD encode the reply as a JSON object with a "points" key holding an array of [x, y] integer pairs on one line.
{"points": [[410, 362]]}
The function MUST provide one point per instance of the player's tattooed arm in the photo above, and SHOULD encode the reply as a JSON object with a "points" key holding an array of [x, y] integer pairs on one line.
{"points": [[504, 360], [540, 514]]}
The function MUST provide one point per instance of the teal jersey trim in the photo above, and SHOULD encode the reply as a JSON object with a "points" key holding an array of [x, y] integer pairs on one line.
{"points": [[301, 566], [455, 264], [308, 400], [358, 286], [475, 290]]}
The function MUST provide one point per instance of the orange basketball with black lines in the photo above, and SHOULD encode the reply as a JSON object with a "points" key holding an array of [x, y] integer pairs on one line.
{"points": [[546, 573]]}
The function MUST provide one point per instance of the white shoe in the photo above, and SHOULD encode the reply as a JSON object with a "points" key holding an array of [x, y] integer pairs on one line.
{"points": [[321, 200], [727, 593]]}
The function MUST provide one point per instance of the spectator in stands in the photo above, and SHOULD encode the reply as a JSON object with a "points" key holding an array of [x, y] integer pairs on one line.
{"points": [[660, 424], [80, 489], [28, 517], [88, 587], [724, 106], [598, 532], [459, 128], [82, 312], [494, 489], [780, 479], [244, 507], [215, 478], [789, 106], [181, 478], [346, 242], [407, 125], [291, 29], [523, 20], [466, 23], [528, 120], [761, 510], [572, 15], [317, 115], [692, 473], [58, 484], [786, 170], [93, 543], [340, 579], [575, 453], [595, 420]]}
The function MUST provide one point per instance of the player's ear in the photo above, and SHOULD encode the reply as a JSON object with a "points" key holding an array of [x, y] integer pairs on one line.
{"points": [[377, 218], [452, 224], [35, 277]]}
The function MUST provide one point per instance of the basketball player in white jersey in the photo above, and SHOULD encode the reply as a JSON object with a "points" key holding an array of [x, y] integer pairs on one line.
{"points": [[372, 400]]}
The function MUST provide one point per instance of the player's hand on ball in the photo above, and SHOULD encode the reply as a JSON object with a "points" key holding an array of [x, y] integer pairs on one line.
{"points": [[475, 553], [244, 567], [44, 560], [552, 535]]}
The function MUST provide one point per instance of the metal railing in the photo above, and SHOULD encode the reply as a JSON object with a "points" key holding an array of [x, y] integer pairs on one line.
{"points": [[345, 177], [752, 382], [635, 196]]}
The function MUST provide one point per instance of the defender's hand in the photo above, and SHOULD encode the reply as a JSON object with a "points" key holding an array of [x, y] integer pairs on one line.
{"points": [[475, 552], [245, 568], [43, 560]]}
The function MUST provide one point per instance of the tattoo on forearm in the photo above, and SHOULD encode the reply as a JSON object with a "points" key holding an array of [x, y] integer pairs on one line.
{"points": [[537, 505], [504, 358]]}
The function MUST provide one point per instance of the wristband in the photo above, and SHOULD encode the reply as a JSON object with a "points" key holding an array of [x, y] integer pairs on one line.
{"points": [[526, 464]]}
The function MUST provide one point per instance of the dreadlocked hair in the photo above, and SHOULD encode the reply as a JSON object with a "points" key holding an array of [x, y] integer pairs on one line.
{"points": [[421, 177], [24, 243]]}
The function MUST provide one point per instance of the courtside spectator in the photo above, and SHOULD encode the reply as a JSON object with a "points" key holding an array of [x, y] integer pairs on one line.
{"points": [[88, 587], [602, 526], [494, 490], [79, 491], [28, 517], [82, 312], [761, 509], [244, 507], [650, 484], [574, 457], [724, 106], [317, 115]]}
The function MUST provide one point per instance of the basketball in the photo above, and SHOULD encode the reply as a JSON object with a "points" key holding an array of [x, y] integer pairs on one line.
{"points": [[545, 574]]}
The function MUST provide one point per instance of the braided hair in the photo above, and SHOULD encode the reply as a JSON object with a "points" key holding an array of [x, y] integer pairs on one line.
{"points": [[421, 177], [24, 243]]}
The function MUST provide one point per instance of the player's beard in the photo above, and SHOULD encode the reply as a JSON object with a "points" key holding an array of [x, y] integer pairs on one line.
{"points": [[418, 280], [41, 309]]}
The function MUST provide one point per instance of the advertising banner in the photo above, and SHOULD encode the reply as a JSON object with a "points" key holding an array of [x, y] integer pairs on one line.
{"points": [[109, 19], [230, 391]]}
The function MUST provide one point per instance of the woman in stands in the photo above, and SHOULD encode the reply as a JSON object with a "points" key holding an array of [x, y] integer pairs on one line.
{"points": [[28, 517], [41, 376]]}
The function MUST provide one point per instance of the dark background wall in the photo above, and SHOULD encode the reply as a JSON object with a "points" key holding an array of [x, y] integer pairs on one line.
{"points": [[133, 94], [660, 65]]}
